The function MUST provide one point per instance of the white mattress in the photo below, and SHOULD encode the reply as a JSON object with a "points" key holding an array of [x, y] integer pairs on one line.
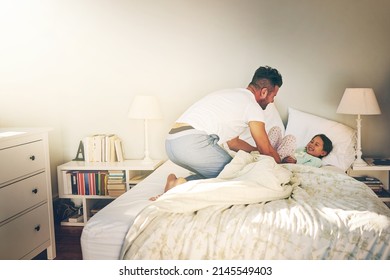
{"points": [[104, 234]]}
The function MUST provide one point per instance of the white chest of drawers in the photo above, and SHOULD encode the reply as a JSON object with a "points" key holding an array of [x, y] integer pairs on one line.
{"points": [[26, 209]]}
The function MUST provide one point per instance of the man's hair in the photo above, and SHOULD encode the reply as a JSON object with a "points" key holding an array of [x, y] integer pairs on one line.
{"points": [[266, 77], [328, 145]]}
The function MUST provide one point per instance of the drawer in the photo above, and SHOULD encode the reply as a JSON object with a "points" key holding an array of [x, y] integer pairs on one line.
{"points": [[19, 196], [21, 160], [22, 235]]}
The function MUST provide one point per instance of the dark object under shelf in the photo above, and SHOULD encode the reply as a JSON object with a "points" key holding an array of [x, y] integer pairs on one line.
{"points": [[382, 193]]}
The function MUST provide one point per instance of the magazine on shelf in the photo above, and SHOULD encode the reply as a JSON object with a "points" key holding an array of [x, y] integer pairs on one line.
{"points": [[381, 161], [376, 161]]}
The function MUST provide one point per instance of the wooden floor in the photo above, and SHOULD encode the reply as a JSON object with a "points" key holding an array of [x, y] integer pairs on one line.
{"points": [[67, 244]]}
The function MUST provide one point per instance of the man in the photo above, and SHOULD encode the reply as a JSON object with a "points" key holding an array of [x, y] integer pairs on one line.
{"points": [[220, 117]]}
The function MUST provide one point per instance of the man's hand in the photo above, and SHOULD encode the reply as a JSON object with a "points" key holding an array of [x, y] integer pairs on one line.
{"points": [[289, 159]]}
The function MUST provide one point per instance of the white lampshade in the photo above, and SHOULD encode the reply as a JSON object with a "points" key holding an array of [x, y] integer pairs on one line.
{"points": [[359, 101], [145, 107]]}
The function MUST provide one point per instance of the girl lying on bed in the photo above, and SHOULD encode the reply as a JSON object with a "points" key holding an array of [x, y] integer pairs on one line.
{"points": [[318, 147]]}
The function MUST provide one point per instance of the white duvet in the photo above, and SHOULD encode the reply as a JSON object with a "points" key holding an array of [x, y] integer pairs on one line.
{"points": [[257, 209]]}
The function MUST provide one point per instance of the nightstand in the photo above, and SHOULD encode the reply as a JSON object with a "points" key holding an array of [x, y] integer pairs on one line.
{"points": [[89, 181], [378, 171]]}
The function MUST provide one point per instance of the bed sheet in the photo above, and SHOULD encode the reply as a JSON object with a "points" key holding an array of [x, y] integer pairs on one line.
{"points": [[328, 216], [103, 236]]}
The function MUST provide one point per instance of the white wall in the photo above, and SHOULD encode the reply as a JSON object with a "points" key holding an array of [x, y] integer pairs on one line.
{"points": [[75, 65]]}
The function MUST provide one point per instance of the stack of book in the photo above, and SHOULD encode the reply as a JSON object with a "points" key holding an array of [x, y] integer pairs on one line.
{"points": [[374, 183], [103, 148], [116, 184]]}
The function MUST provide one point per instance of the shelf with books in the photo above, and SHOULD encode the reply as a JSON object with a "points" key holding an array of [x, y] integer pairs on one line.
{"points": [[99, 182], [375, 176], [374, 183]]}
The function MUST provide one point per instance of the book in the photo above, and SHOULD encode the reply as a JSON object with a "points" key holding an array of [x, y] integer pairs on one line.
{"points": [[119, 150], [86, 183], [80, 183], [73, 176], [121, 186], [368, 179], [116, 193], [67, 183], [98, 148], [102, 185], [381, 161], [76, 218], [110, 148], [383, 193]]}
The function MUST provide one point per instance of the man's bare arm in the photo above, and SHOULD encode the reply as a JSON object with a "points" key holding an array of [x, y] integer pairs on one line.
{"points": [[262, 141], [237, 144]]}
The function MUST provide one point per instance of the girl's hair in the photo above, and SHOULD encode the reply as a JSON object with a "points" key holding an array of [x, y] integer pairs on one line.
{"points": [[328, 146]]}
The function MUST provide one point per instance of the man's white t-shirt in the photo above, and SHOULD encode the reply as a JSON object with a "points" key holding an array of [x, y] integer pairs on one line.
{"points": [[225, 113]]}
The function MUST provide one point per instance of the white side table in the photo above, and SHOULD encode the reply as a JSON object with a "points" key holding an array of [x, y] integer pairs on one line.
{"points": [[378, 171], [134, 171]]}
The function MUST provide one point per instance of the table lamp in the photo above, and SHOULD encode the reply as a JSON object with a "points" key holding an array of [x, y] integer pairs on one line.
{"points": [[145, 107], [359, 101]]}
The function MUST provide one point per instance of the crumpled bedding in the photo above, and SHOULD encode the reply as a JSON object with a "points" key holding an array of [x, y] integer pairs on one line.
{"points": [[247, 179], [257, 209]]}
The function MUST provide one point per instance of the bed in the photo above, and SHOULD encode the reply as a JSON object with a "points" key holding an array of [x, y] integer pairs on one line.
{"points": [[255, 209]]}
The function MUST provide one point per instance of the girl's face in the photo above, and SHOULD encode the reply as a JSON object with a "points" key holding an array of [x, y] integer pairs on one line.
{"points": [[316, 147]]}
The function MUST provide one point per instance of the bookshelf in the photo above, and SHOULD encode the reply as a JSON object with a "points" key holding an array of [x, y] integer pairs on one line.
{"points": [[88, 186], [376, 175]]}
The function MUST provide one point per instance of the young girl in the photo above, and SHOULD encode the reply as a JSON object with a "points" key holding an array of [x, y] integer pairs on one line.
{"points": [[318, 147]]}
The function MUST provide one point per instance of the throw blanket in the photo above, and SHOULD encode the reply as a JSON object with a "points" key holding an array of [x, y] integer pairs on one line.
{"points": [[246, 179], [249, 212]]}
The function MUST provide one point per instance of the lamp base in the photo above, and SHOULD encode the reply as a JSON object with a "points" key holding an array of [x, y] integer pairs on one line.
{"points": [[359, 162], [147, 160]]}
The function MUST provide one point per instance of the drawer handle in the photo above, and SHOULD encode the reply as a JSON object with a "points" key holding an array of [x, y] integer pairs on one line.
{"points": [[35, 190], [37, 228], [32, 157]]}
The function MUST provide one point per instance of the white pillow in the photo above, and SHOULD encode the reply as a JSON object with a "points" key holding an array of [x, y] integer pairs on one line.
{"points": [[272, 118], [304, 126]]}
